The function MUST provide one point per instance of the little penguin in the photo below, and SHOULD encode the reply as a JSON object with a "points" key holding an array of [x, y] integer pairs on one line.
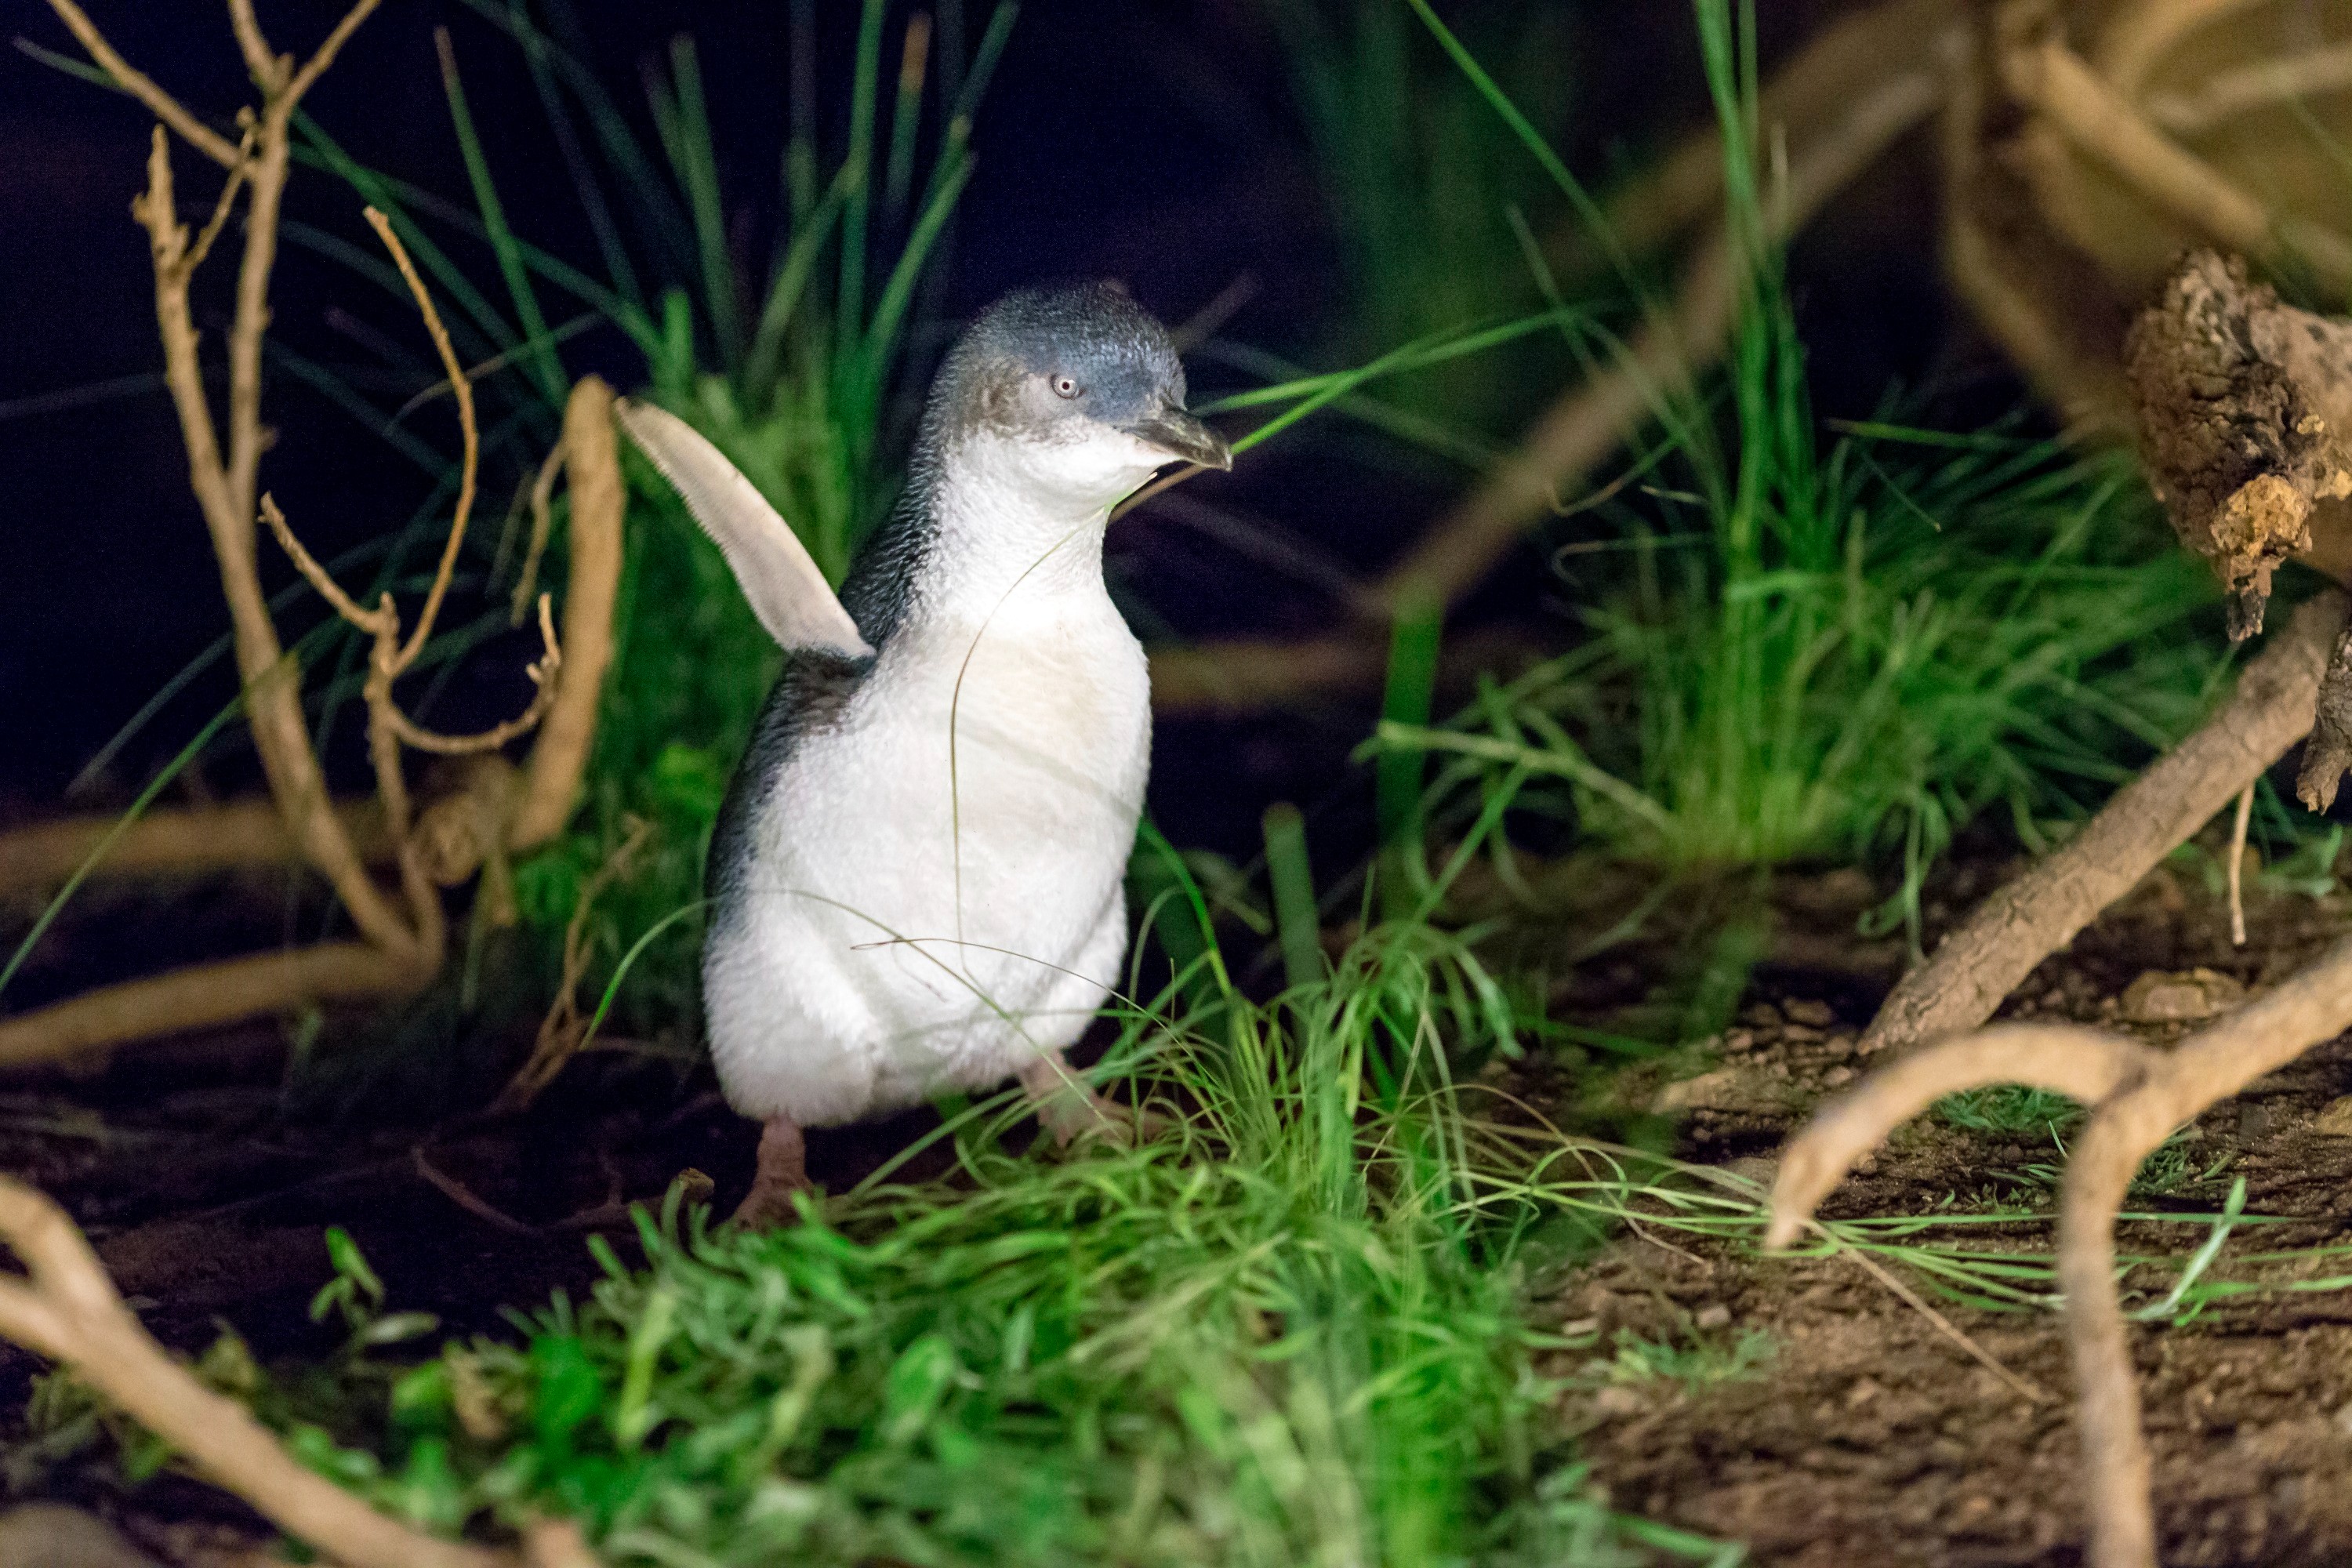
{"points": [[916, 880]]}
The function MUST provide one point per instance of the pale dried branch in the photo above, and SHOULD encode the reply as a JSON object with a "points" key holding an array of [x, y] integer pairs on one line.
{"points": [[67, 1310], [2139, 37], [2239, 822], [542, 675], [542, 525], [2225, 95], [222, 206], [559, 759], [324, 55], [319, 578], [2083, 1064], [172, 841], [2137, 1097], [207, 996], [2016, 927], [2103, 124], [162, 104], [269, 69], [224, 488], [469, 463]]}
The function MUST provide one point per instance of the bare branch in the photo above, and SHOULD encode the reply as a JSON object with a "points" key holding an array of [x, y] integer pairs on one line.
{"points": [[68, 1309], [2026, 921], [268, 68], [170, 842], [166, 108], [592, 465], [2265, 84], [2086, 1064], [471, 461], [204, 996], [221, 206], [324, 55], [542, 675], [319, 578], [2106, 126], [542, 524]]}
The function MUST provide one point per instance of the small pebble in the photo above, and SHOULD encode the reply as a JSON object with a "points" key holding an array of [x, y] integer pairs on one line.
{"points": [[1837, 1077], [1715, 1315], [1816, 1015], [1618, 1400]]}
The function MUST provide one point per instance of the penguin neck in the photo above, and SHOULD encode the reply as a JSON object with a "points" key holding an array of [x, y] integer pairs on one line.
{"points": [[1005, 537]]}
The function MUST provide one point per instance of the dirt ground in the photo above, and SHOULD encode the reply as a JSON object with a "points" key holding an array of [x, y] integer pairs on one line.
{"points": [[1837, 1424], [1857, 1432]]}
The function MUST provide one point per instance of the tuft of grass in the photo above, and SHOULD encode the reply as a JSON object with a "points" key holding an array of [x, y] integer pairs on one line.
{"points": [[1792, 653], [2008, 1108]]}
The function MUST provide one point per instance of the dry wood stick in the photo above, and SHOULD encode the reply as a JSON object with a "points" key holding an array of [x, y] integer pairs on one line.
{"points": [[2137, 1096], [2039, 912]]}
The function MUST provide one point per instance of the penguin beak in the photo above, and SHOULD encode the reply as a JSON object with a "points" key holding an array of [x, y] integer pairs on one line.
{"points": [[1180, 435]]}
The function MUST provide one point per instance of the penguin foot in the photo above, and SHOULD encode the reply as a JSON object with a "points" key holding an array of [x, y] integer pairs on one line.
{"points": [[783, 1173], [1069, 1109]]}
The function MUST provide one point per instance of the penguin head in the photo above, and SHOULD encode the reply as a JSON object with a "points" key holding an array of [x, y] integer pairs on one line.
{"points": [[1078, 390]]}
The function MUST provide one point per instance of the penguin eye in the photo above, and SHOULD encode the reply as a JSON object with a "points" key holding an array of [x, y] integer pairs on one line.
{"points": [[1066, 387]]}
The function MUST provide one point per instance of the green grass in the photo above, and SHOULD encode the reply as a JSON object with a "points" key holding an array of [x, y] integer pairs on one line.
{"points": [[1293, 1329], [1792, 653]]}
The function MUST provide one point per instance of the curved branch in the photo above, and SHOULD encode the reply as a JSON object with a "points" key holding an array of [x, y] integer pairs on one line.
{"points": [[69, 1310], [2082, 1064], [2135, 42], [2102, 123], [592, 464], [471, 434], [191, 842]]}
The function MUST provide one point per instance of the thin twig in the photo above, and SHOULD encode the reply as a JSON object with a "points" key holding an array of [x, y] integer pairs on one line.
{"points": [[2238, 865], [470, 462], [166, 108], [542, 524], [2260, 85], [457, 1192], [318, 576], [66, 1308]]}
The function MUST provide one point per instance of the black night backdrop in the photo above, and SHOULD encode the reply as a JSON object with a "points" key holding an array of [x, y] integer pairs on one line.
{"points": [[1746, 524]]}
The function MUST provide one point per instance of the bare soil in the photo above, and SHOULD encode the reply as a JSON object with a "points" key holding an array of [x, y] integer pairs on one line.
{"points": [[1860, 1432]]}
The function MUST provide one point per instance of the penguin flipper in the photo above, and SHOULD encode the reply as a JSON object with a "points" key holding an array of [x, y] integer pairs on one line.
{"points": [[774, 569]]}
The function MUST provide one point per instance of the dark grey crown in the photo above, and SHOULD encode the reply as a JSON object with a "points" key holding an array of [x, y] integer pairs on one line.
{"points": [[1100, 355]]}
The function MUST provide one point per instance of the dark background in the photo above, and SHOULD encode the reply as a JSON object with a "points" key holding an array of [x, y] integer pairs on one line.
{"points": [[1151, 142]]}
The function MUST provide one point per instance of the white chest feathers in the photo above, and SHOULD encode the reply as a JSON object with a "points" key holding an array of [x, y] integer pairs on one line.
{"points": [[933, 891]]}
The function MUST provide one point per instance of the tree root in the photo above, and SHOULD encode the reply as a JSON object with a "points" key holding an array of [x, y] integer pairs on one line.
{"points": [[66, 1309], [205, 996], [2135, 1096], [192, 841], [2040, 911]]}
